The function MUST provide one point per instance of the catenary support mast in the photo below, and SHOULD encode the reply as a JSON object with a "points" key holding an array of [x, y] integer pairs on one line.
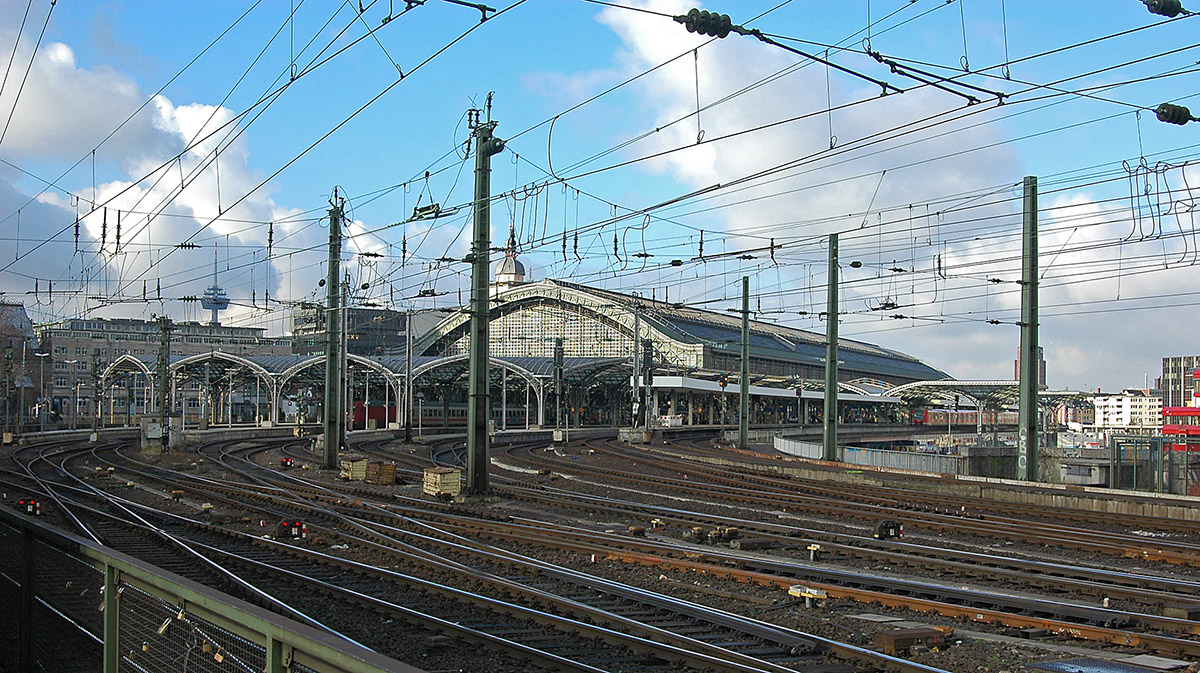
{"points": [[829, 438], [334, 428], [479, 402], [744, 382], [1027, 421]]}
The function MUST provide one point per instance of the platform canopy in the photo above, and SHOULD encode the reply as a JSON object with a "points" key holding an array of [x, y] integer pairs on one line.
{"points": [[996, 394]]}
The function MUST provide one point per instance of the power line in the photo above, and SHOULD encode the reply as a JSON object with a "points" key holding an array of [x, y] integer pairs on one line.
{"points": [[150, 99], [32, 56], [16, 43]]}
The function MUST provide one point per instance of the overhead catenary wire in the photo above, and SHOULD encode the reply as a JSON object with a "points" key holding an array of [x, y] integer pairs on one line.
{"points": [[702, 197], [16, 43], [345, 121], [28, 67], [275, 93], [266, 98]]}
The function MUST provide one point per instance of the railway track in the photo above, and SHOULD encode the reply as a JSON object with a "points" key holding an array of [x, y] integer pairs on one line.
{"points": [[726, 485], [432, 537], [1060, 581], [724, 641], [932, 497]]}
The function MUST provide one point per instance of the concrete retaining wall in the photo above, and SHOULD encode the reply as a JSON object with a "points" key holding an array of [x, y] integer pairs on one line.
{"points": [[1050, 496], [901, 460], [79, 435]]}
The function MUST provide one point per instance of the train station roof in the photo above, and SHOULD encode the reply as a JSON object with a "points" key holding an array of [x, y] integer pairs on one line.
{"points": [[679, 332], [724, 331], [994, 394]]}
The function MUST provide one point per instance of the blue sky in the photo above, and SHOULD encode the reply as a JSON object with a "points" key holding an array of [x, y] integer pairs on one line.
{"points": [[1112, 276]]}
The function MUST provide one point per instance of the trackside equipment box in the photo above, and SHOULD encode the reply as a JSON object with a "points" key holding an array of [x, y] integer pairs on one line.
{"points": [[354, 467], [442, 481], [383, 474]]}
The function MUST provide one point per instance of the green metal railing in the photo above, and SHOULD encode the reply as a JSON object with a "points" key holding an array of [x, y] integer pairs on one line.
{"points": [[1147, 462], [77, 601]]}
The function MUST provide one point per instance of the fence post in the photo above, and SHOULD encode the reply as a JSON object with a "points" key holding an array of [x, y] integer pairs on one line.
{"points": [[1170, 469], [112, 610], [25, 618], [275, 663], [1159, 444], [1114, 462]]}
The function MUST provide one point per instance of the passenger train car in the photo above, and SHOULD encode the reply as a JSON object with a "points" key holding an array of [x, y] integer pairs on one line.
{"points": [[431, 415], [942, 417]]}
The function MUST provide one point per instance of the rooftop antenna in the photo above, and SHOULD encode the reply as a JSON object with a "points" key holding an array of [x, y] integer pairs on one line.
{"points": [[214, 298]]}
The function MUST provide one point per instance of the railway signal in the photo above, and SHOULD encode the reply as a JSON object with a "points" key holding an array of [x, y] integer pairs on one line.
{"points": [[296, 530], [888, 529]]}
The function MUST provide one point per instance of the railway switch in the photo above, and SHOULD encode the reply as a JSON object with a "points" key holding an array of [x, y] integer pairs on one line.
{"points": [[637, 531], [750, 543], [1189, 612], [814, 550], [722, 535], [900, 641], [29, 506], [812, 597], [887, 529]]}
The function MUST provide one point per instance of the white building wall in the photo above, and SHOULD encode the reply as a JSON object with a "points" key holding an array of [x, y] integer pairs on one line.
{"points": [[1133, 411]]}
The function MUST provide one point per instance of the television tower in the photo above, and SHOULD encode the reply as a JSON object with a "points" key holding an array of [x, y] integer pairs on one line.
{"points": [[214, 298]]}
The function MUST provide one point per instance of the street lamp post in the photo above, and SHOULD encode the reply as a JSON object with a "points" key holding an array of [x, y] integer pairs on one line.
{"points": [[21, 388], [420, 412], [43, 413], [74, 390]]}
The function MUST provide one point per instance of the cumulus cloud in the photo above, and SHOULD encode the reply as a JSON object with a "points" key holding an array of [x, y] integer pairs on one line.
{"points": [[825, 192], [160, 194], [65, 110], [948, 258]]}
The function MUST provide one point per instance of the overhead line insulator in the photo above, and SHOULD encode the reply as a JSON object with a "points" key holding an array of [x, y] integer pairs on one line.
{"points": [[1167, 8], [1173, 114], [707, 23]]}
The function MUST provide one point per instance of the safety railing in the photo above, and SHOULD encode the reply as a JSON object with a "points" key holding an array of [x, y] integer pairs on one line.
{"points": [[899, 460], [71, 604]]}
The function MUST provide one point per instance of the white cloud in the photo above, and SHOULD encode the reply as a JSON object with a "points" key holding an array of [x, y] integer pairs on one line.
{"points": [[828, 189], [1109, 350], [64, 110]]}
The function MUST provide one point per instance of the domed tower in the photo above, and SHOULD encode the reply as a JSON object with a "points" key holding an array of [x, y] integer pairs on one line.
{"points": [[510, 271]]}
